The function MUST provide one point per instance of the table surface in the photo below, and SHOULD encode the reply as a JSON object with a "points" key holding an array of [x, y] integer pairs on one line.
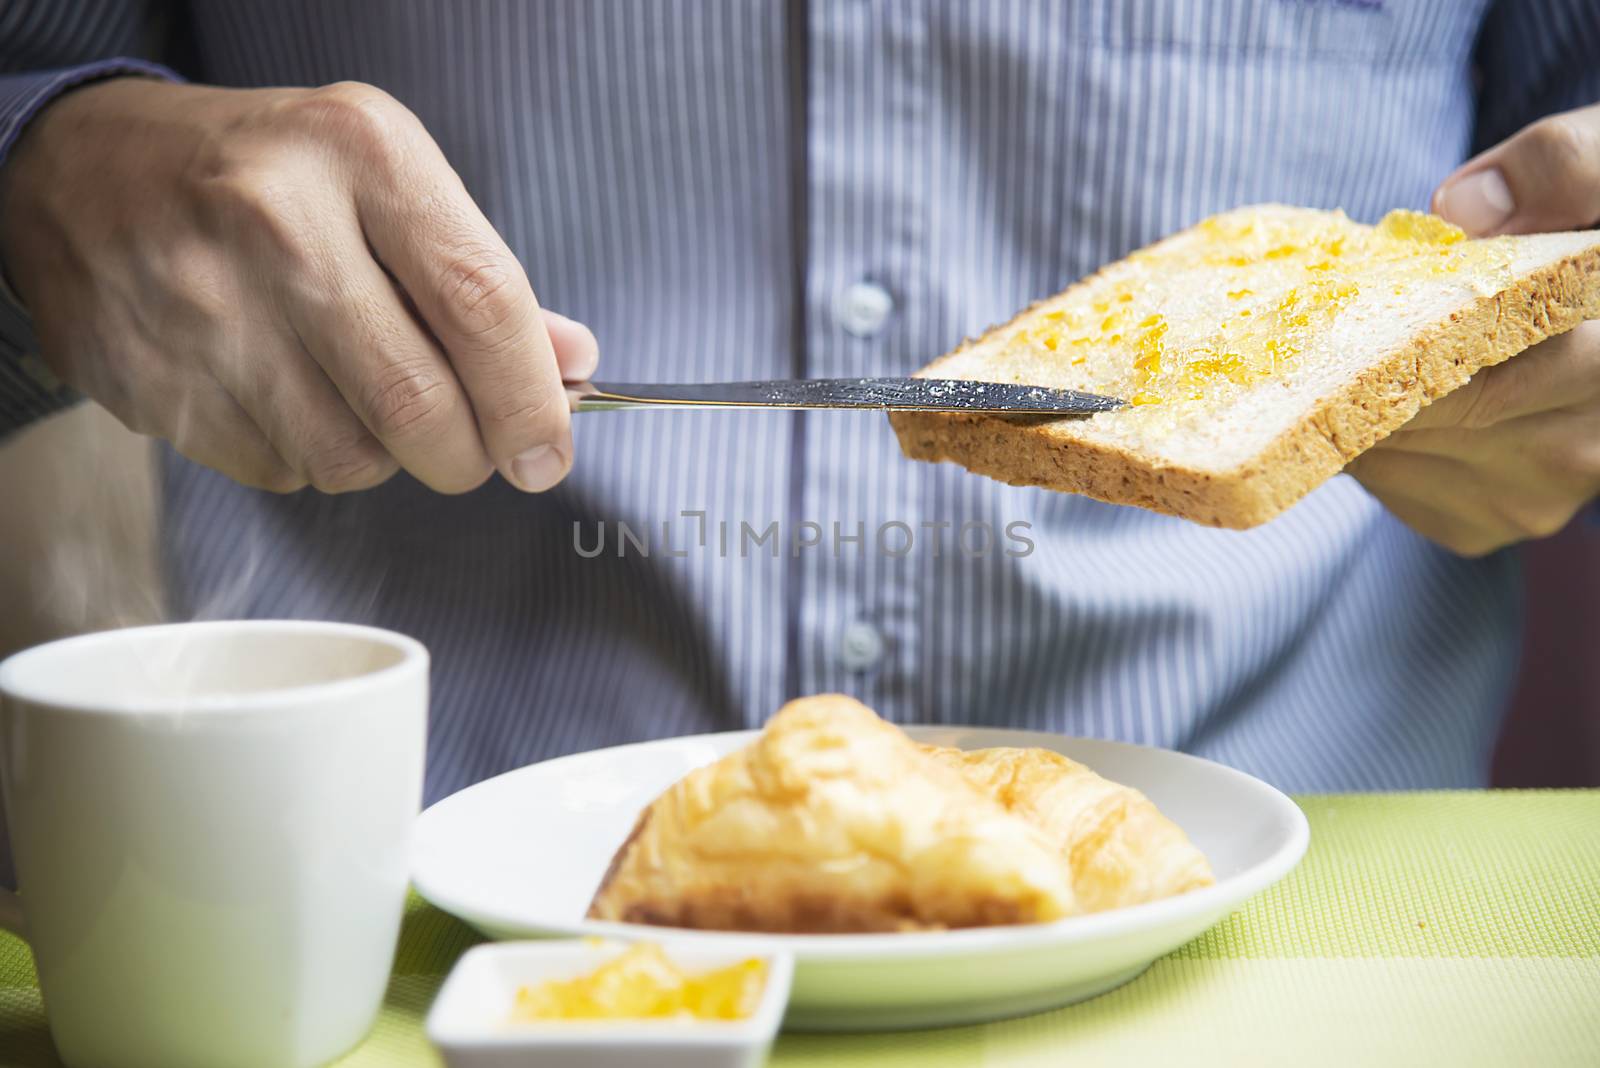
{"points": [[1424, 928]]}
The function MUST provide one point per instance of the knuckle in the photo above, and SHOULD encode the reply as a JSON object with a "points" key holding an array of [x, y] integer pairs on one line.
{"points": [[480, 291], [353, 112], [1566, 145], [1524, 518], [408, 399], [1473, 546], [534, 409], [1543, 522], [354, 117], [278, 479], [461, 480], [1466, 537], [342, 466]]}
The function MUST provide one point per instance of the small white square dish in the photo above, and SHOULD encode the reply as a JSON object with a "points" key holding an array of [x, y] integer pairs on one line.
{"points": [[473, 1022]]}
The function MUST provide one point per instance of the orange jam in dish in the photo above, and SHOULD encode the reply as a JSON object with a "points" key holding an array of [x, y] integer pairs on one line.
{"points": [[641, 983], [1245, 301]]}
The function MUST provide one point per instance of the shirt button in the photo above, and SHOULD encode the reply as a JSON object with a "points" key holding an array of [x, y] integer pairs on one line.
{"points": [[861, 646], [863, 308]]}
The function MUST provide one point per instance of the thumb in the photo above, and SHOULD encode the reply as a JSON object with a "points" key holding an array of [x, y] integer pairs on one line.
{"points": [[577, 352], [1545, 177]]}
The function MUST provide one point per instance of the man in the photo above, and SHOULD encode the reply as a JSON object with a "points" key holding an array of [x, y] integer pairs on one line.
{"points": [[323, 287]]}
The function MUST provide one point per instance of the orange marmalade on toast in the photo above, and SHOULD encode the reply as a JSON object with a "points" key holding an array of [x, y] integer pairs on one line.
{"points": [[642, 983], [1278, 280]]}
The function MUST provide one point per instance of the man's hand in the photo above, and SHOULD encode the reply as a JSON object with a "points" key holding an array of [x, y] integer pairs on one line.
{"points": [[290, 285], [1514, 453]]}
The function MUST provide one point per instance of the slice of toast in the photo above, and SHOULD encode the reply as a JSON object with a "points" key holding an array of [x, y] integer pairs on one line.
{"points": [[1262, 350]]}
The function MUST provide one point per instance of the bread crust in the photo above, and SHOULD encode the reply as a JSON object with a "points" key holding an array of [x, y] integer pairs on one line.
{"points": [[1338, 428]]}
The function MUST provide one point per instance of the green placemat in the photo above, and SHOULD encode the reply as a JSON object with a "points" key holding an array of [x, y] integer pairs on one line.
{"points": [[1438, 928]]}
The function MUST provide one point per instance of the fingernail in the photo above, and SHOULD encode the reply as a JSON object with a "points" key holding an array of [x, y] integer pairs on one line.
{"points": [[539, 468], [1479, 203]]}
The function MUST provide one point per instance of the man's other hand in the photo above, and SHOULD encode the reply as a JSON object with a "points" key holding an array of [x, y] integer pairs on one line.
{"points": [[1515, 452]]}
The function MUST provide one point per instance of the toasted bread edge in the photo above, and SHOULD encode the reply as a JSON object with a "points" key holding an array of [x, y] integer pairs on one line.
{"points": [[1341, 426]]}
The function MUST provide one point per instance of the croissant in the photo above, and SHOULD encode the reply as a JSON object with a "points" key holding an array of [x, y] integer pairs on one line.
{"points": [[1120, 848], [831, 821]]}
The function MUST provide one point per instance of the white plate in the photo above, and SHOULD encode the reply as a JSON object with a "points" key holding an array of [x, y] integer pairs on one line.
{"points": [[521, 854]]}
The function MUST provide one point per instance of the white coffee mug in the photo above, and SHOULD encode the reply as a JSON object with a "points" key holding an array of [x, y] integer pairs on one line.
{"points": [[210, 824]]}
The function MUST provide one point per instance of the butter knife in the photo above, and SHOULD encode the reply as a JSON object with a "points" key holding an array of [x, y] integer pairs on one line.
{"points": [[880, 394]]}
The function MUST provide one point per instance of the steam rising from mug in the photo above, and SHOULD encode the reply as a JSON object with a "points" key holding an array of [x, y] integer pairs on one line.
{"points": [[90, 554]]}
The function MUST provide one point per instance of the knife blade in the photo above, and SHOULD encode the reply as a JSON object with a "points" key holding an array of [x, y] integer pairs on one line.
{"points": [[875, 394]]}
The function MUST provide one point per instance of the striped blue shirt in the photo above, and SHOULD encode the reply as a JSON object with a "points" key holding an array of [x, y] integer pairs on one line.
{"points": [[753, 189]]}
